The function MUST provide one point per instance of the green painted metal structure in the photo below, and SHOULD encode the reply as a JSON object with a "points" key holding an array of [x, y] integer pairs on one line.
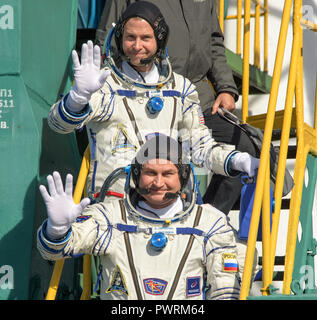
{"points": [[36, 39], [259, 82], [304, 266]]}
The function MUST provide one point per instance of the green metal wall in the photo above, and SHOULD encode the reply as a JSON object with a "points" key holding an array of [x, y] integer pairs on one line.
{"points": [[36, 38], [304, 264]]}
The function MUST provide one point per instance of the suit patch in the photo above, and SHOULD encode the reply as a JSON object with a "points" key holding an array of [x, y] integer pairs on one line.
{"points": [[193, 286], [117, 282], [82, 218], [230, 263], [121, 140], [201, 116], [155, 286]]}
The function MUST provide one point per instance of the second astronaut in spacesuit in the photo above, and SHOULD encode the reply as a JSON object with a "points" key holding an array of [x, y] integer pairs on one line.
{"points": [[156, 243]]}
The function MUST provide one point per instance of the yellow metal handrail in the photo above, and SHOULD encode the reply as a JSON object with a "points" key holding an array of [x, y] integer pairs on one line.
{"points": [[86, 278], [264, 159], [260, 10], [306, 142], [246, 59], [59, 264]]}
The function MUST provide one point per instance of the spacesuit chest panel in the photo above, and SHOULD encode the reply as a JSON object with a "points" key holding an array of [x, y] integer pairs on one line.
{"points": [[132, 122], [169, 273]]}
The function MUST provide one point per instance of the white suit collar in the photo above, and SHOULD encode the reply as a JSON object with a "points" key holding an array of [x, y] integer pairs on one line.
{"points": [[151, 76]]}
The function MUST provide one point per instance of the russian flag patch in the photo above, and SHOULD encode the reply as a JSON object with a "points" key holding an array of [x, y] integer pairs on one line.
{"points": [[230, 263]]}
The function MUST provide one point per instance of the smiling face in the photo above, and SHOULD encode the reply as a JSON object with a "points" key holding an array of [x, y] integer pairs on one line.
{"points": [[138, 42], [159, 177]]}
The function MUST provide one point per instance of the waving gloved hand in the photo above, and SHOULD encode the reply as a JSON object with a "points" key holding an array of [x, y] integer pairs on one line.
{"points": [[243, 161], [87, 76], [61, 209]]}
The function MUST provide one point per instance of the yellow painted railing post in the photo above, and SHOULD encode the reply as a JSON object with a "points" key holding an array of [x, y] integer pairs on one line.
{"points": [[315, 122], [56, 276], [257, 39], [59, 264], [239, 18], [299, 164], [87, 278], [266, 239], [87, 258], [266, 34], [265, 151], [285, 138], [221, 13], [246, 59], [257, 35]]}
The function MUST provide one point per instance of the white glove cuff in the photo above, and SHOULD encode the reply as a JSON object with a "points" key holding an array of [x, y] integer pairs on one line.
{"points": [[75, 102], [236, 161], [56, 232]]}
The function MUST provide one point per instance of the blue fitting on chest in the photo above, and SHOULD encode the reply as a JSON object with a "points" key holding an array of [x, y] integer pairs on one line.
{"points": [[155, 105], [158, 241]]}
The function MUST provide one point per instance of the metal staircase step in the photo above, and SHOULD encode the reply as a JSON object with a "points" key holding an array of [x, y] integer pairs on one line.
{"points": [[259, 120], [260, 82]]}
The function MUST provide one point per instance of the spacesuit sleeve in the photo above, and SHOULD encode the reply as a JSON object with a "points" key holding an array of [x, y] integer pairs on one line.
{"points": [[205, 151], [222, 265], [100, 108], [88, 235]]}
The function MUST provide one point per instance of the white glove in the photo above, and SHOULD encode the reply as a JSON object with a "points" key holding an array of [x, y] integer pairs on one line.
{"points": [[87, 76], [243, 161], [61, 209]]}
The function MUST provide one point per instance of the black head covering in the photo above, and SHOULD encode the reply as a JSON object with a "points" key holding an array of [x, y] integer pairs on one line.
{"points": [[161, 147], [152, 14]]}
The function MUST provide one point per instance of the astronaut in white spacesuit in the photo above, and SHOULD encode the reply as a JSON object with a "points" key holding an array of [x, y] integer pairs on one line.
{"points": [[125, 103], [156, 243]]}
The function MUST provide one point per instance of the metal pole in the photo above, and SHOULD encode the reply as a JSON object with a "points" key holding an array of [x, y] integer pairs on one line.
{"points": [[239, 18], [257, 35], [266, 32], [266, 238], [299, 165], [246, 59]]}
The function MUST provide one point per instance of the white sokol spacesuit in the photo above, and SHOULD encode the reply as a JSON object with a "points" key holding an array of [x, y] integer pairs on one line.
{"points": [[148, 257], [118, 123]]}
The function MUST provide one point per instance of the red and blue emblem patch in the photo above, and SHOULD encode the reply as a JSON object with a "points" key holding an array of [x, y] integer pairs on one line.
{"points": [[155, 286], [82, 218], [193, 286]]}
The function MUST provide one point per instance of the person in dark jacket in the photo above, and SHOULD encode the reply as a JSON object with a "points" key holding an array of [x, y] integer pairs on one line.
{"points": [[196, 50]]}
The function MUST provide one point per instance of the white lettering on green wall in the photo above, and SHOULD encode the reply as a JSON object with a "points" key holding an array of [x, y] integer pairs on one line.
{"points": [[6, 17]]}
